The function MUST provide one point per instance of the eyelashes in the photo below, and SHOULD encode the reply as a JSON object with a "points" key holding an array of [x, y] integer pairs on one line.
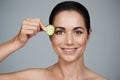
{"points": [[78, 32], [61, 32]]}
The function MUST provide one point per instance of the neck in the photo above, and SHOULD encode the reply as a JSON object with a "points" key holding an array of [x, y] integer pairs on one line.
{"points": [[71, 70]]}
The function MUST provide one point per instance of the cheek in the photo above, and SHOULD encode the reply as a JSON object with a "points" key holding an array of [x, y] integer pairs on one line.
{"points": [[56, 40], [56, 43], [82, 40], [59, 40]]}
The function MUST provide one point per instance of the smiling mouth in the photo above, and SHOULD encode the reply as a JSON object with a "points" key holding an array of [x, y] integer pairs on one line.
{"points": [[69, 50]]}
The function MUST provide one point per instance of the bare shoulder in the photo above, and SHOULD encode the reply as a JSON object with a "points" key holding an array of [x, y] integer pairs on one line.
{"points": [[34, 73], [28, 74], [97, 77], [94, 76]]}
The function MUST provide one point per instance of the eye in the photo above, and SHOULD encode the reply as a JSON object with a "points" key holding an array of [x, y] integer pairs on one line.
{"points": [[78, 32], [59, 32]]}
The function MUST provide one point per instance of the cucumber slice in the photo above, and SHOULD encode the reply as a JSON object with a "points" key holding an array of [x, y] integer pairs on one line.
{"points": [[50, 30]]}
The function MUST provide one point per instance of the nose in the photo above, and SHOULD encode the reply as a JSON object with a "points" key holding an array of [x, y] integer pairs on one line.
{"points": [[69, 39]]}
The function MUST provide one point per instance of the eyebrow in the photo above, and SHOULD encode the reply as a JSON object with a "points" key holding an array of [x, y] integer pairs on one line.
{"points": [[60, 28], [73, 28], [78, 28]]}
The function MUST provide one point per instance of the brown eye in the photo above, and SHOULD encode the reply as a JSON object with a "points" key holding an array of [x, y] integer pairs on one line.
{"points": [[78, 32], [59, 32]]}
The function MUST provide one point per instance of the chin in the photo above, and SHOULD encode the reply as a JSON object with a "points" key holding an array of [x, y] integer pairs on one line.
{"points": [[69, 58]]}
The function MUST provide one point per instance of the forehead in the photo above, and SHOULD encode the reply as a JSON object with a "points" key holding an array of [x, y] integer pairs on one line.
{"points": [[69, 18]]}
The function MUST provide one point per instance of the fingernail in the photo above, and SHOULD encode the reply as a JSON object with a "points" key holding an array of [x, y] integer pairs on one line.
{"points": [[44, 29]]}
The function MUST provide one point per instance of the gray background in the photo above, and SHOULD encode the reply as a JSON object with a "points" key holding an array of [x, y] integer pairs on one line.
{"points": [[103, 50]]}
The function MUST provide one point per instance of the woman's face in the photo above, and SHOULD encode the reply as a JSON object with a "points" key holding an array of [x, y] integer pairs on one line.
{"points": [[70, 37]]}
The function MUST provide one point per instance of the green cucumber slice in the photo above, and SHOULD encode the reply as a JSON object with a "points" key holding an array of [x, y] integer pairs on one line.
{"points": [[50, 30]]}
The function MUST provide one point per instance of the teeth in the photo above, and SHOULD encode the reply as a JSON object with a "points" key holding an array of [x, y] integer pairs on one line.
{"points": [[69, 50]]}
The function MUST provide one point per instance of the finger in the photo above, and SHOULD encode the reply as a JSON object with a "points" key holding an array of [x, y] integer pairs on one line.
{"points": [[31, 24], [41, 25], [24, 35], [29, 27], [28, 33]]}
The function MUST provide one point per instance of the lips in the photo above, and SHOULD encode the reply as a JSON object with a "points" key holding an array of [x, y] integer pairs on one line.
{"points": [[69, 50]]}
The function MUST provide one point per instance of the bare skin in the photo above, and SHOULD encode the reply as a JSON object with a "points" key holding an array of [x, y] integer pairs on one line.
{"points": [[29, 28], [69, 42]]}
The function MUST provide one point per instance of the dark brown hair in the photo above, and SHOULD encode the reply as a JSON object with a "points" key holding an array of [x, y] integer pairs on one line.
{"points": [[71, 5]]}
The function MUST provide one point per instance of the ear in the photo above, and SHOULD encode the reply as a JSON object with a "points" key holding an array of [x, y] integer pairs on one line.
{"points": [[90, 32]]}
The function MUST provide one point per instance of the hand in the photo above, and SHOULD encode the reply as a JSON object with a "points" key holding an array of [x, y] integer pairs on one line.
{"points": [[30, 27]]}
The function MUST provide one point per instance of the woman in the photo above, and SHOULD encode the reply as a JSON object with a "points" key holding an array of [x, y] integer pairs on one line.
{"points": [[72, 32]]}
